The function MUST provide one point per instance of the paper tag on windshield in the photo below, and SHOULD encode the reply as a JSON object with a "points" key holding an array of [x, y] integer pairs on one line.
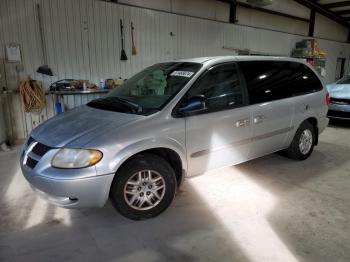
{"points": [[182, 73]]}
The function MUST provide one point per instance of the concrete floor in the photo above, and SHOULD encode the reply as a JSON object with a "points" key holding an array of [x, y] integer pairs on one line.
{"points": [[269, 209]]}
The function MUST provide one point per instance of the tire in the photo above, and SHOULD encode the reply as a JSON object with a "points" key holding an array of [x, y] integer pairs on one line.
{"points": [[138, 197], [295, 150]]}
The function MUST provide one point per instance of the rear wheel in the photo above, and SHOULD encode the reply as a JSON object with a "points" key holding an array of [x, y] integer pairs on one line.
{"points": [[144, 187], [303, 142]]}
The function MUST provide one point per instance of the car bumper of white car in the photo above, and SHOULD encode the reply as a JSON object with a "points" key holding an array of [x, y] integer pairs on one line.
{"points": [[339, 111]]}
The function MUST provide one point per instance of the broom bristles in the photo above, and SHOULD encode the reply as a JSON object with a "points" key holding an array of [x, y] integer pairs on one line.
{"points": [[133, 50], [123, 55]]}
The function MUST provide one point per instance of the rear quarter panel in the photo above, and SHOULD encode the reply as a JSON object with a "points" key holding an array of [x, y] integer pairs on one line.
{"points": [[311, 105]]}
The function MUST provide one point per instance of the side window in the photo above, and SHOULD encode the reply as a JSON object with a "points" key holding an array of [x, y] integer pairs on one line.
{"points": [[220, 86], [267, 80], [306, 81], [272, 80]]}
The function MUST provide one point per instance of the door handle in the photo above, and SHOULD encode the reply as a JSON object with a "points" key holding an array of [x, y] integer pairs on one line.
{"points": [[258, 119], [242, 122]]}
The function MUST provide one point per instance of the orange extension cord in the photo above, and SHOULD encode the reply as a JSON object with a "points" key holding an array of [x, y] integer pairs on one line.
{"points": [[32, 96]]}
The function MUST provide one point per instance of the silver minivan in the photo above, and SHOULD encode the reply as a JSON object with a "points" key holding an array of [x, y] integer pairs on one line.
{"points": [[172, 120]]}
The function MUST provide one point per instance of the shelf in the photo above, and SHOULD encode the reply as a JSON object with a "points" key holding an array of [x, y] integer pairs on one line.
{"points": [[78, 92]]}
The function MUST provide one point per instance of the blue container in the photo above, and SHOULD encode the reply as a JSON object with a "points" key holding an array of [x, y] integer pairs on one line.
{"points": [[58, 106]]}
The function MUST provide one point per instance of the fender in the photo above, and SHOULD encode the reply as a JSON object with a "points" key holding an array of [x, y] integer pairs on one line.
{"points": [[147, 144]]}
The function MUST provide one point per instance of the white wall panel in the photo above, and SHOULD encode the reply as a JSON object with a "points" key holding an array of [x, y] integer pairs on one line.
{"points": [[327, 28], [164, 5], [251, 17], [288, 7], [2, 121], [83, 42]]}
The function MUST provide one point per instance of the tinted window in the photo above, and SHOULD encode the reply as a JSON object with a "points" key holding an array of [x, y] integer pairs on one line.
{"points": [[220, 86], [273, 80]]}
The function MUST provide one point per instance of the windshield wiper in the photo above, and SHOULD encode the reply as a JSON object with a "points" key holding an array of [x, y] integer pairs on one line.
{"points": [[133, 105], [116, 103]]}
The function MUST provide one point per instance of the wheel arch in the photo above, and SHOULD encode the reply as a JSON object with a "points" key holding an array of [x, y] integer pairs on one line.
{"points": [[172, 153], [313, 121]]}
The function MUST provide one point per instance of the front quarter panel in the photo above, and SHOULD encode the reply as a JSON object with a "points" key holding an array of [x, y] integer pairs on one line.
{"points": [[153, 132]]}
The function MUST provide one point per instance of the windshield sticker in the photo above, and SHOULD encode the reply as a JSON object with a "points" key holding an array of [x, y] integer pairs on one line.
{"points": [[182, 73]]}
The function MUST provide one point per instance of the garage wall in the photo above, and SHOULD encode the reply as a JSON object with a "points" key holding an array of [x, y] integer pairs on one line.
{"points": [[251, 17], [210, 9], [2, 122], [288, 7], [83, 42], [327, 28]]}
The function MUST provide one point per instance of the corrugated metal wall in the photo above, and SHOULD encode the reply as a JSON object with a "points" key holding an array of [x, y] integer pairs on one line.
{"points": [[2, 122], [83, 42]]}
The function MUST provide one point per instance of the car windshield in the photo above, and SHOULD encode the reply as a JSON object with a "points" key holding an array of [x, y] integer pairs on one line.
{"points": [[150, 90], [344, 81]]}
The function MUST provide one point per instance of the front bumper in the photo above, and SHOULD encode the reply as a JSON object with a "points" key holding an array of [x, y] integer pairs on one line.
{"points": [[69, 188], [339, 111]]}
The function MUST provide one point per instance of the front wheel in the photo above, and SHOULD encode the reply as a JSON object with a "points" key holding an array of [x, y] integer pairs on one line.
{"points": [[144, 187], [303, 142]]}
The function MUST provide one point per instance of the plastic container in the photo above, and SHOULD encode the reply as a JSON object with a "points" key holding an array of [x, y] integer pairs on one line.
{"points": [[102, 84]]}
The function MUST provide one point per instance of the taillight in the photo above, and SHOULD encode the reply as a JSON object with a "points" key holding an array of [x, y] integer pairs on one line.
{"points": [[328, 99]]}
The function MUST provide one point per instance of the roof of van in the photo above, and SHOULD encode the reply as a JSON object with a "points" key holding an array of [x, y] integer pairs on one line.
{"points": [[214, 59]]}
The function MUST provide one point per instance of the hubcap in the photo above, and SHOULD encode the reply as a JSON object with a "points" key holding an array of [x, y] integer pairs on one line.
{"points": [[305, 142], [144, 190]]}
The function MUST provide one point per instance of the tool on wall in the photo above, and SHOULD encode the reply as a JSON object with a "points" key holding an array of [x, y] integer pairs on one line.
{"points": [[43, 69], [122, 53], [32, 96], [133, 48]]}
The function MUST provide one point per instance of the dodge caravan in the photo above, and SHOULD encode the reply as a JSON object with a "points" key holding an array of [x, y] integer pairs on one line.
{"points": [[171, 120]]}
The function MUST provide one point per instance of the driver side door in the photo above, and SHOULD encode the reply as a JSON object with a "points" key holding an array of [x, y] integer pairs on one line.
{"points": [[221, 134]]}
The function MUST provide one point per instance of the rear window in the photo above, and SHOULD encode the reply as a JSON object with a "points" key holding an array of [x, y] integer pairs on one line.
{"points": [[272, 80]]}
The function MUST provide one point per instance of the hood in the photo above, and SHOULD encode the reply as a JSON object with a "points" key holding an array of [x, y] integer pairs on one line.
{"points": [[77, 127], [339, 91]]}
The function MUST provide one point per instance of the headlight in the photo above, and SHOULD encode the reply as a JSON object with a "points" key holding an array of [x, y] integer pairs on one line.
{"points": [[76, 158]]}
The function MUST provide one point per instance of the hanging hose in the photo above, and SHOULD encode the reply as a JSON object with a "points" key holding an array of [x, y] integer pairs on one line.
{"points": [[32, 96]]}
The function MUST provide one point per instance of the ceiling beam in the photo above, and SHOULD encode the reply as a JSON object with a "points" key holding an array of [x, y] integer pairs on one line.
{"points": [[342, 12], [337, 4], [312, 23], [323, 11]]}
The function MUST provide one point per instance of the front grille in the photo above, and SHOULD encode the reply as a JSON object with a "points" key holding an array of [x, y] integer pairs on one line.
{"points": [[31, 162], [40, 149], [342, 114], [342, 101], [33, 150]]}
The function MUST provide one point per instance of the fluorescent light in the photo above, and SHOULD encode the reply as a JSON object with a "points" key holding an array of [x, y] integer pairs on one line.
{"points": [[305, 77], [262, 76]]}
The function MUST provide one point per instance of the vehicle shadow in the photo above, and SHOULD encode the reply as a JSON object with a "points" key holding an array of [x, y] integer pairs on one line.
{"points": [[339, 123]]}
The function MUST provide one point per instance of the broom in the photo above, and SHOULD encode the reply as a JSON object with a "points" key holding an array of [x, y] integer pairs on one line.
{"points": [[122, 53], [133, 48], [43, 69]]}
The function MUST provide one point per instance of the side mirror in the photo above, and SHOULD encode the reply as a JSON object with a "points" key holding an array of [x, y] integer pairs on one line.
{"points": [[193, 105]]}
